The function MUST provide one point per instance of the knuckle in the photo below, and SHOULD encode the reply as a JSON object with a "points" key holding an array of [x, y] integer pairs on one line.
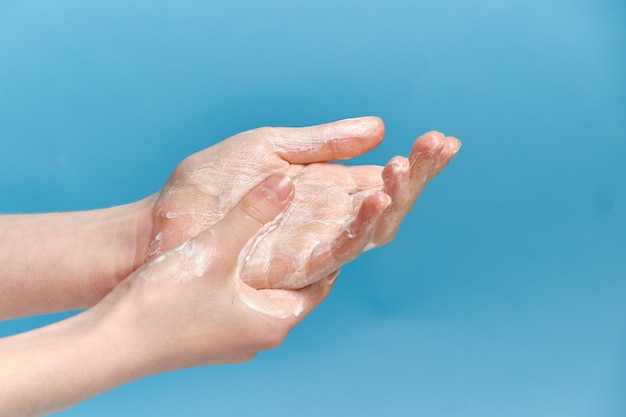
{"points": [[265, 131], [253, 213], [186, 167], [261, 135]]}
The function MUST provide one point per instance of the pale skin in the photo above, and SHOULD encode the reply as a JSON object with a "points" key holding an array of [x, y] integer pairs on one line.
{"points": [[186, 308], [311, 241], [68, 261], [194, 293]]}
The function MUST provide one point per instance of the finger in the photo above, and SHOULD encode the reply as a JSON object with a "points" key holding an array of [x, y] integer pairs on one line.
{"points": [[315, 262], [424, 152], [450, 149], [366, 177], [343, 139], [396, 177], [353, 241], [278, 311], [290, 305], [315, 293], [255, 210], [405, 180]]}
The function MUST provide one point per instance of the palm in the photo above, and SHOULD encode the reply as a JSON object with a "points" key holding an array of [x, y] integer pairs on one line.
{"points": [[319, 231]]}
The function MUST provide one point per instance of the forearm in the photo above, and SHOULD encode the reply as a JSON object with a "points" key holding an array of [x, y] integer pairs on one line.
{"points": [[66, 261], [57, 366], [188, 307]]}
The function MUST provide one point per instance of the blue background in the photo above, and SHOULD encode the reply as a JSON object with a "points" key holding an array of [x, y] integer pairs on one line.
{"points": [[503, 294]]}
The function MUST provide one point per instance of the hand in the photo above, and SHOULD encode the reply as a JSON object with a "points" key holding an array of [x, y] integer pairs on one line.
{"points": [[189, 306], [87, 254], [317, 234]]}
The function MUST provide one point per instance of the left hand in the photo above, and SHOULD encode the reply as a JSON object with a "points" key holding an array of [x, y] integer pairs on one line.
{"points": [[318, 234], [189, 307]]}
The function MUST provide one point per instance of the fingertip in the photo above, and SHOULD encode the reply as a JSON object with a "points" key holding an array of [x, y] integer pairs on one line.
{"points": [[457, 142], [374, 126], [396, 175], [397, 164], [343, 139], [354, 137], [428, 142], [449, 151], [449, 148], [371, 213]]}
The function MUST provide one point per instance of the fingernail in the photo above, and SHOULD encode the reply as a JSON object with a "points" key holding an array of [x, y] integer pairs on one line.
{"points": [[278, 187]]}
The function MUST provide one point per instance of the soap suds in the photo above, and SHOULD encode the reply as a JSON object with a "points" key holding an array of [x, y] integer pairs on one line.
{"points": [[281, 304], [183, 263]]}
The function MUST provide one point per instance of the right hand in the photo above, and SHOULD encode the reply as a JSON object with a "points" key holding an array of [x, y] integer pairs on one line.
{"points": [[320, 231], [189, 307]]}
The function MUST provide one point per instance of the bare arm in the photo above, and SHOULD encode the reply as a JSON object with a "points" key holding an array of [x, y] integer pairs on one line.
{"points": [[66, 261], [140, 328]]}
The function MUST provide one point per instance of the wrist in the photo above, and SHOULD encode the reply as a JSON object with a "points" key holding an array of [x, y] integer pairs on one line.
{"points": [[68, 261], [57, 366], [131, 323], [132, 225]]}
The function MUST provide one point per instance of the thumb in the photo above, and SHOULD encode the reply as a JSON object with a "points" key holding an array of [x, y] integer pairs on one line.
{"points": [[344, 139], [293, 305], [257, 208]]}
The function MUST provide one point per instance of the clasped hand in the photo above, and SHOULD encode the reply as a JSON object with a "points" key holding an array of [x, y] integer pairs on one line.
{"points": [[255, 229], [245, 239], [322, 230]]}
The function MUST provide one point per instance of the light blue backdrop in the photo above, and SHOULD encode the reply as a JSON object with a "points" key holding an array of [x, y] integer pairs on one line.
{"points": [[504, 293]]}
